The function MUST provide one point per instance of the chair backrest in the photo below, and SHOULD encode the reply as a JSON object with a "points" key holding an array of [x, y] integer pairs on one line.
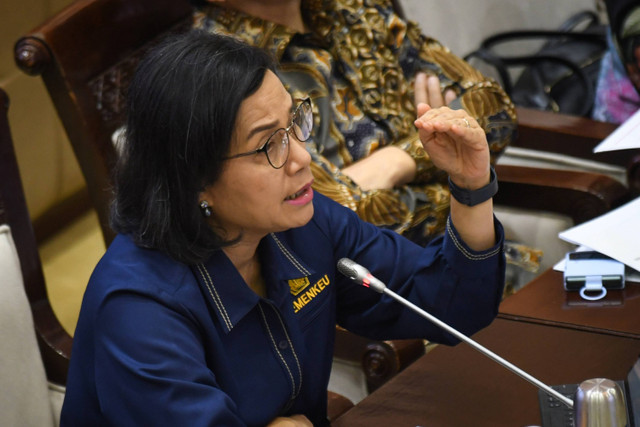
{"points": [[35, 348], [86, 55]]}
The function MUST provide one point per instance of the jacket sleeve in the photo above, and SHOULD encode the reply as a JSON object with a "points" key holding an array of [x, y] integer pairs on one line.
{"points": [[459, 286]]}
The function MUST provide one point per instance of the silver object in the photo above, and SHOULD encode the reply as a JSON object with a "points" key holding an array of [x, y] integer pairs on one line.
{"points": [[599, 402]]}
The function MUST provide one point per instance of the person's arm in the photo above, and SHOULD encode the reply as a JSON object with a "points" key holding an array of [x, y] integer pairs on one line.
{"points": [[457, 144], [384, 169], [387, 208]]}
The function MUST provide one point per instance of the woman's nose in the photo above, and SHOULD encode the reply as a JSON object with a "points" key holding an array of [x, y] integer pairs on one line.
{"points": [[299, 157]]}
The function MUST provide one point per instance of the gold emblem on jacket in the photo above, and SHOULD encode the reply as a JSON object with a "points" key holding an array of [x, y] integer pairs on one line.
{"points": [[297, 285]]}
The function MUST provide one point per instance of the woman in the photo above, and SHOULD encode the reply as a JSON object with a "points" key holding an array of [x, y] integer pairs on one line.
{"points": [[217, 302]]}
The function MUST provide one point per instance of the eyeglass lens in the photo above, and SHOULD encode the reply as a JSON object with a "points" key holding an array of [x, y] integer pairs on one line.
{"points": [[303, 121], [278, 145], [278, 148]]}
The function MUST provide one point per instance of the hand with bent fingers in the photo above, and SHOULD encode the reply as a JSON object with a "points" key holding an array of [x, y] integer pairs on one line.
{"points": [[456, 143]]}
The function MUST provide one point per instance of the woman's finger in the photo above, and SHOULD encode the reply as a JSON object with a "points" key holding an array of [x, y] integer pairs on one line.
{"points": [[433, 90], [420, 89]]}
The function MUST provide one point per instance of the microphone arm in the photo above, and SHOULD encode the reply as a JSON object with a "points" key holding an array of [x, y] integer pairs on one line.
{"points": [[361, 275]]}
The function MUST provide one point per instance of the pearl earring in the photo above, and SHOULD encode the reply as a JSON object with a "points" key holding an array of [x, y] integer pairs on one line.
{"points": [[205, 209]]}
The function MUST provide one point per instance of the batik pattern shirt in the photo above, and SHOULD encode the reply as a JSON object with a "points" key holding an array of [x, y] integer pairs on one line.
{"points": [[357, 62]]}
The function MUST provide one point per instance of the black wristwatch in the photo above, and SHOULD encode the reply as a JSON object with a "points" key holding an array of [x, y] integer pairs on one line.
{"points": [[475, 197]]}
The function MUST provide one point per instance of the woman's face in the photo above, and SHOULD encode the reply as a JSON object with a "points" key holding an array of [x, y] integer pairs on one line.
{"points": [[251, 196]]}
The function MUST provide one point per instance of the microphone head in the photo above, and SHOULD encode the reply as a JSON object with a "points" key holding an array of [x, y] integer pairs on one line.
{"points": [[348, 268], [359, 274]]}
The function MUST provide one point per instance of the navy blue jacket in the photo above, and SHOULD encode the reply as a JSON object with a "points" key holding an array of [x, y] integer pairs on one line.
{"points": [[159, 342]]}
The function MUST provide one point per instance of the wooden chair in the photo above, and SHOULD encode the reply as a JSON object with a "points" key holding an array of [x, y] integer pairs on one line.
{"points": [[35, 347], [86, 55], [87, 77]]}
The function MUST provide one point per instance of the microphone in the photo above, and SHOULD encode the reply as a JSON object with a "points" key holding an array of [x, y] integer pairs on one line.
{"points": [[361, 275]]}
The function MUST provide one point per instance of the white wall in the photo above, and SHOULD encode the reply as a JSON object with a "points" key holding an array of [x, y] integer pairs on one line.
{"points": [[462, 24]]}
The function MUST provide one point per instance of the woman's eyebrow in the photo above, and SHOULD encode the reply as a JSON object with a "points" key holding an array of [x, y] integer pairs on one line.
{"points": [[262, 128], [270, 125]]}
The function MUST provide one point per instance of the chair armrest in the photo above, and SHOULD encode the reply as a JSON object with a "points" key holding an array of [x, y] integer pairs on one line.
{"points": [[54, 342], [562, 133], [384, 359], [579, 195], [574, 136], [337, 405], [380, 360]]}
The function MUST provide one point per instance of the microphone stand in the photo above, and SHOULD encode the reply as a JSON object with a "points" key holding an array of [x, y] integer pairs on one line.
{"points": [[375, 284]]}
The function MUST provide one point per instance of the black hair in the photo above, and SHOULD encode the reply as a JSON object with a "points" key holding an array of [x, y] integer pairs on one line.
{"points": [[181, 112]]}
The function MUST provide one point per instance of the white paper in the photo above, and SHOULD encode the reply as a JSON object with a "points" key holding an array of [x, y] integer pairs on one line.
{"points": [[615, 234], [626, 136]]}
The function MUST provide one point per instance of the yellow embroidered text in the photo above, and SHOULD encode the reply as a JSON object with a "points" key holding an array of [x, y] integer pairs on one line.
{"points": [[310, 293]]}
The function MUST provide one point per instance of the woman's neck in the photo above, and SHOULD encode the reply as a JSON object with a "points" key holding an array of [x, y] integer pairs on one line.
{"points": [[244, 258], [281, 12]]}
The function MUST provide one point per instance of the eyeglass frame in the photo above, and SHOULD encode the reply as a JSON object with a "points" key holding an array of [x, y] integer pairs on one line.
{"points": [[287, 130]]}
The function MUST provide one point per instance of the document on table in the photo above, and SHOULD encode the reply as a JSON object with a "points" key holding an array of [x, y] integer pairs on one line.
{"points": [[615, 234], [626, 136]]}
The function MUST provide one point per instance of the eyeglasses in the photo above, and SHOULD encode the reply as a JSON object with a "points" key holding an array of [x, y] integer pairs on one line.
{"points": [[277, 146]]}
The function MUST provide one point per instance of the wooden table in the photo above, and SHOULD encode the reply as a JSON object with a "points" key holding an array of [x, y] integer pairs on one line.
{"points": [[459, 386], [545, 301]]}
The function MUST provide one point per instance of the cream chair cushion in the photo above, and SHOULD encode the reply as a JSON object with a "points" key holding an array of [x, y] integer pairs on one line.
{"points": [[25, 398]]}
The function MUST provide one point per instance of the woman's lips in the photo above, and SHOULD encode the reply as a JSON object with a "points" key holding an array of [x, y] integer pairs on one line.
{"points": [[302, 196]]}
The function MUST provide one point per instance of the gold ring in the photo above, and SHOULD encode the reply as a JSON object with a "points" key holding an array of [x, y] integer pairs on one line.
{"points": [[466, 122]]}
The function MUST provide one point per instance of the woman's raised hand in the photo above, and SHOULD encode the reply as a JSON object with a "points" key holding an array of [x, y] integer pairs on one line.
{"points": [[456, 144]]}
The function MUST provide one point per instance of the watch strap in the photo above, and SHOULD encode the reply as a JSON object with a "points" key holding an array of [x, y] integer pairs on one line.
{"points": [[475, 197]]}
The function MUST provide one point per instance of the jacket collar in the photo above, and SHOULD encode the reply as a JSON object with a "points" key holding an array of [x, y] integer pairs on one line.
{"points": [[228, 295]]}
